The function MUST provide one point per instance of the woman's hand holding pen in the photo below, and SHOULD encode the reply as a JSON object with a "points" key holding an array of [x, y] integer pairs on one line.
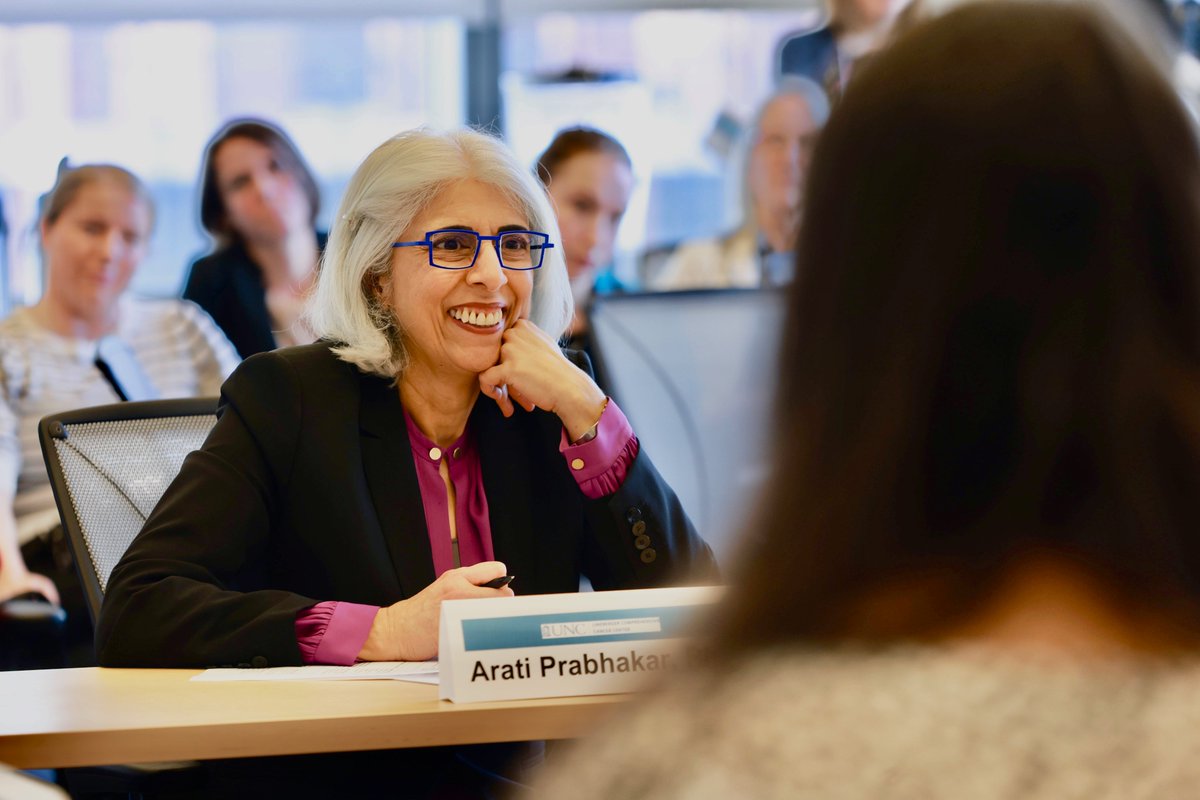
{"points": [[408, 630]]}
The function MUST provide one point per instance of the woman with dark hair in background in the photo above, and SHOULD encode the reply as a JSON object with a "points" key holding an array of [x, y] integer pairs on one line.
{"points": [[977, 573], [259, 202], [589, 177]]}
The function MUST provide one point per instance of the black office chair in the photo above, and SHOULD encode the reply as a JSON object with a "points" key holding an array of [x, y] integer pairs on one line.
{"points": [[108, 466]]}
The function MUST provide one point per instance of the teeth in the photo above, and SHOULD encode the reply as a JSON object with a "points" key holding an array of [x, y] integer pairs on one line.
{"points": [[477, 318]]}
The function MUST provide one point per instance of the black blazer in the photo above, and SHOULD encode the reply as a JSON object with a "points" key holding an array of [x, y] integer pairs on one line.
{"points": [[228, 284], [812, 54], [306, 491]]}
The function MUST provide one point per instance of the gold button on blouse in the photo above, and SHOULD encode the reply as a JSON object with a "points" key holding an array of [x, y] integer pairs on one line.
{"points": [[577, 463], [435, 453], [457, 452]]}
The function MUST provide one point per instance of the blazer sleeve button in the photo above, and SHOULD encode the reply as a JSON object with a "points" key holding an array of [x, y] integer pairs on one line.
{"points": [[648, 555], [258, 662], [642, 542], [633, 514], [639, 527]]}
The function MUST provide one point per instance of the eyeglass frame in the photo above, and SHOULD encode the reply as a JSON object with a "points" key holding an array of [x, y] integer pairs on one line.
{"points": [[479, 240]]}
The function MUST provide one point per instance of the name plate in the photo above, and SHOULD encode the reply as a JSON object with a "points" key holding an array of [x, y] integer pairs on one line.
{"points": [[562, 645]]}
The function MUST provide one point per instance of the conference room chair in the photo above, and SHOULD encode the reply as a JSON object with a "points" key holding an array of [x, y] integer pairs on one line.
{"points": [[108, 467]]}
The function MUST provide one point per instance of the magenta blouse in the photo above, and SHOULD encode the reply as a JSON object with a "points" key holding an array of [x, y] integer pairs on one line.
{"points": [[334, 632]]}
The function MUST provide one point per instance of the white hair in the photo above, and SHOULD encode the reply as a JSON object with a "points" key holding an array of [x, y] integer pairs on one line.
{"points": [[391, 187], [817, 103], [813, 95]]}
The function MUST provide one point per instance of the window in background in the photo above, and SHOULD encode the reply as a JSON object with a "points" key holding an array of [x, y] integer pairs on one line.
{"points": [[671, 85], [148, 95]]}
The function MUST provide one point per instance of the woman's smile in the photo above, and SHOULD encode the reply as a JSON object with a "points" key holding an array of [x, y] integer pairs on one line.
{"points": [[479, 319]]}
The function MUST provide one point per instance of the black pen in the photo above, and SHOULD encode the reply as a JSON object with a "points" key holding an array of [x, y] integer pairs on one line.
{"points": [[498, 583]]}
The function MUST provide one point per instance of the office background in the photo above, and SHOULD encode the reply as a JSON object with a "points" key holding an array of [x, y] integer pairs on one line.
{"points": [[144, 84]]}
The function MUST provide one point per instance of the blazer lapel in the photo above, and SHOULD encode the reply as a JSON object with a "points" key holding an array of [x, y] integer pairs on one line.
{"points": [[392, 479], [507, 478]]}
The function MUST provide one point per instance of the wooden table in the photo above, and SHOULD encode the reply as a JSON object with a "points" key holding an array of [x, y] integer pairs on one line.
{"points": [[80, 717]]}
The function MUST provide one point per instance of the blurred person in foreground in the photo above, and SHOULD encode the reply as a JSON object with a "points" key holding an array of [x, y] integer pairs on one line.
{"points": [[977, 573], [435, 439], [589, 177], [259, 203], [760, 251], [85, 343]]}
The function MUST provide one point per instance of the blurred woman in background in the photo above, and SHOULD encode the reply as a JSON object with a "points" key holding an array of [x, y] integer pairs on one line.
{"points": [[86, 343], [589, 177], [977, 573], [259, 202], [759, 252]]}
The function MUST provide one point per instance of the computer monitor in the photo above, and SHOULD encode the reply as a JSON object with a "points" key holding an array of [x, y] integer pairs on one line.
{"points": [[695, 374]]}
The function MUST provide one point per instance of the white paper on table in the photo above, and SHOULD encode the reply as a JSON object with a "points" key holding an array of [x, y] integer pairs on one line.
{"points": [[418, 671], [432, 678]]}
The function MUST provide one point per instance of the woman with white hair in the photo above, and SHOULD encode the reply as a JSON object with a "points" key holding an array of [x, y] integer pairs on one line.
{"points": [[434, 440], [777, 153]]}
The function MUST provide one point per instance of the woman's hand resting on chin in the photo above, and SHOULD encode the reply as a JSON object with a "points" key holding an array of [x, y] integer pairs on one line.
{"points": [[534, 373]]}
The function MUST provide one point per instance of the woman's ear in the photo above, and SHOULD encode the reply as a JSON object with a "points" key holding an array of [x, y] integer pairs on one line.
{"points": [[378, 286]]}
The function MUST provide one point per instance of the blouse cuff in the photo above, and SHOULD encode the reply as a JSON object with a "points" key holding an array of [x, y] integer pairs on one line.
{"points": [[600, 465], [333, 632]]}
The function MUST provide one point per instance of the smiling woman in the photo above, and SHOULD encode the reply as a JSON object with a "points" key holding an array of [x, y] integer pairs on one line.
{"points": [[93, 237], [441, 309], [95, 230], [436, 439]]}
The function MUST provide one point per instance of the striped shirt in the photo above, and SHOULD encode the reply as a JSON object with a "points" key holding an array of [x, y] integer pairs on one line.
{"points": [[180, 350]]}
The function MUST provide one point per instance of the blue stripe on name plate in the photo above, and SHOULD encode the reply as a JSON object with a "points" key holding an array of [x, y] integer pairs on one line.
{"points": [[580, 627]]}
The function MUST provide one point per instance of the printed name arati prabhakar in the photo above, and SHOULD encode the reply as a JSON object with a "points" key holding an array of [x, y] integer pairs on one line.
{"points": [[586, 664]]}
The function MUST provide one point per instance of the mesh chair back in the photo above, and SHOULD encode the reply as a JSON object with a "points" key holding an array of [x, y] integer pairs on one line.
{"points": [[108, 466]]}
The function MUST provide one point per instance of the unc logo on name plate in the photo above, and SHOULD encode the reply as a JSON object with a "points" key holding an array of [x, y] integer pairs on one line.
{"points": [[563, 645]]}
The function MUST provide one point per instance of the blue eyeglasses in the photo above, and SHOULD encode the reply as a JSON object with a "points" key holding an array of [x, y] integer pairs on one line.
{"points": [[458, 248]]}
